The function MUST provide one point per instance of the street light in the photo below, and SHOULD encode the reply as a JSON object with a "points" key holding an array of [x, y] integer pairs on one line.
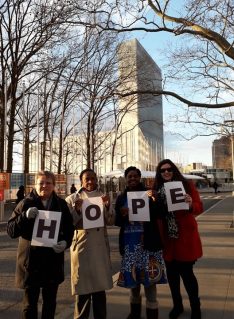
{"points": [[23, 129], [38, 131], [5, 128]]}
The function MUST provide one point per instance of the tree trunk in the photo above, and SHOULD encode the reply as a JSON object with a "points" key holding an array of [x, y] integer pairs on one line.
{"points": [[88, 163], [2, 120], [113, 154], [11, 133], [26, 151], [61, 141]]}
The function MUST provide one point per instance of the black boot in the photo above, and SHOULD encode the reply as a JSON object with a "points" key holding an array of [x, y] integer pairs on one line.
{"points": [[196, 314], [177, 310], [173, 275], [178, 307], [195, 308], [135, 311], [151, 313]]}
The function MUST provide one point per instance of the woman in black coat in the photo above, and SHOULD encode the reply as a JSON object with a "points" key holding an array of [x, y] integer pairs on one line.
{"points": [[38, 266]]}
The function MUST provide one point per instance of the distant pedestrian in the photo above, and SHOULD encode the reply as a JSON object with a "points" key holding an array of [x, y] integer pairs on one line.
{"points": [[73, 189], [20, 194], [40, 267], [215, 186]]}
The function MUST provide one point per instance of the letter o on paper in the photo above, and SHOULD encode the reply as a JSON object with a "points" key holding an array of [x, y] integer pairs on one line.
{"points": [[91, 208]]}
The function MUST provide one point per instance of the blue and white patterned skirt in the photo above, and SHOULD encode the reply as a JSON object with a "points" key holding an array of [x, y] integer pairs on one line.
{"points": [[140, 266]]}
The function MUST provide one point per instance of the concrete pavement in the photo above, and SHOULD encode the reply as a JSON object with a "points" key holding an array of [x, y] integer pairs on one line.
{"points": [[215, 273]]}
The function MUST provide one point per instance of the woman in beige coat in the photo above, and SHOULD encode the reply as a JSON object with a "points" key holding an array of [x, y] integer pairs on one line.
{"points": [[90, 256]]}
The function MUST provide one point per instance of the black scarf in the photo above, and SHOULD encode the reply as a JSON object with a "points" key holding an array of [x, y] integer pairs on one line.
{"points": [[172, 227]]}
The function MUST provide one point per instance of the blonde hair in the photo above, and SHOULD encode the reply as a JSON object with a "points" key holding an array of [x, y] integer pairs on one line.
{"points": [[48, 174]]}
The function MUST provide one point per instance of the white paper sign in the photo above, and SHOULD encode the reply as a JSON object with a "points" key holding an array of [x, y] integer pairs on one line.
{"points": [[175, 196], [138, 205], [92, 212], [46, 228]]}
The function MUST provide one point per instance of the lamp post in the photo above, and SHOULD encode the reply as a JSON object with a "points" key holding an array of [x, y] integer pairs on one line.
{"points": [[232, 141], [38, 132], [23, 129], [51, 142], [73, 144], [5, 128]]}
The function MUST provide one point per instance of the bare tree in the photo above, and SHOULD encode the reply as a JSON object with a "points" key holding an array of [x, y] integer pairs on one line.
{"points": [[198, 75], [26, 28], [60, 88], [96, 99]]}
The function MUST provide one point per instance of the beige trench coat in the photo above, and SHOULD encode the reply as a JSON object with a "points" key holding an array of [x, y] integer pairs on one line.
{"points": [[90, 254]]}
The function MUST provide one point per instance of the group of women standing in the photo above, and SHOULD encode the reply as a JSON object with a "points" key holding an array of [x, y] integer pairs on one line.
{"points": [[158, 251]]}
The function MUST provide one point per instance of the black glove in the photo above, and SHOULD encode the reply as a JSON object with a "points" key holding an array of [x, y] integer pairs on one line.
{"points": [[60, 246]]}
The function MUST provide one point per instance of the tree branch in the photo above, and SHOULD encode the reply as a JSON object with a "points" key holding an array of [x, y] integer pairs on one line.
{"points": [[206, 33], [178, 97]]}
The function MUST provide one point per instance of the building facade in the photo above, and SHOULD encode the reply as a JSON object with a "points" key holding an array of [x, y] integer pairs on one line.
{"points": [[144, 117], [222, 153]]}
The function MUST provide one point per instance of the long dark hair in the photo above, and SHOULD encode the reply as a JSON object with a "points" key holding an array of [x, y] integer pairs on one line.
{"points": [[177, 176]]}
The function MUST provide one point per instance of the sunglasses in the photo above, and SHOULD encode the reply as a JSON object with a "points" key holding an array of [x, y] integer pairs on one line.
{"points": [[169, 170]]}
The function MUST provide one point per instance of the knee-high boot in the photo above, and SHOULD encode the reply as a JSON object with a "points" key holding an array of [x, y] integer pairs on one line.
{"points": [[135, 311], [174, 283], [191, 286], [151, 309], [195, 308], [151, 313], [135, 308]]}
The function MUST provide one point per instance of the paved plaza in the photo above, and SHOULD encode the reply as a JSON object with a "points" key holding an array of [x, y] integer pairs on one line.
{"points": [[215, 273]]}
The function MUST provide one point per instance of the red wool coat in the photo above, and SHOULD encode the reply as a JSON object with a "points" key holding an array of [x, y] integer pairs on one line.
{"points": [[188, 246]]}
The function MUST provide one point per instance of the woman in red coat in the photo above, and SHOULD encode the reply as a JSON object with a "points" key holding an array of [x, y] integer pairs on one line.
{"points": [[182, 244]]}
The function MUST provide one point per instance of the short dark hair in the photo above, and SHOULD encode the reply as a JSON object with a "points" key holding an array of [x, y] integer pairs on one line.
{"points": [[132, 168], [85, 171]]}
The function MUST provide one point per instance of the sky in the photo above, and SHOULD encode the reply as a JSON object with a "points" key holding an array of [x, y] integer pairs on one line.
{"points": [[197, 150]]}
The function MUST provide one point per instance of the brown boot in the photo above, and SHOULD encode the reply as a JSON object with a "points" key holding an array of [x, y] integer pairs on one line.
{"points": [[151, 313]]}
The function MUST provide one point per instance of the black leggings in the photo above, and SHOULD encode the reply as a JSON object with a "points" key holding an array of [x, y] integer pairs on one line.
{"points": [[177, 269], [83, 303], [30, 300]]}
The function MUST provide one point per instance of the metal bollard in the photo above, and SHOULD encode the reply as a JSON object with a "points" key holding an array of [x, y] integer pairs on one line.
{"points": [[1, 211], [232, 223]]}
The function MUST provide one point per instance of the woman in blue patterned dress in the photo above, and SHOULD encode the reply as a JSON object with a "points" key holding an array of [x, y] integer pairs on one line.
{"points": [[141, 249]]}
